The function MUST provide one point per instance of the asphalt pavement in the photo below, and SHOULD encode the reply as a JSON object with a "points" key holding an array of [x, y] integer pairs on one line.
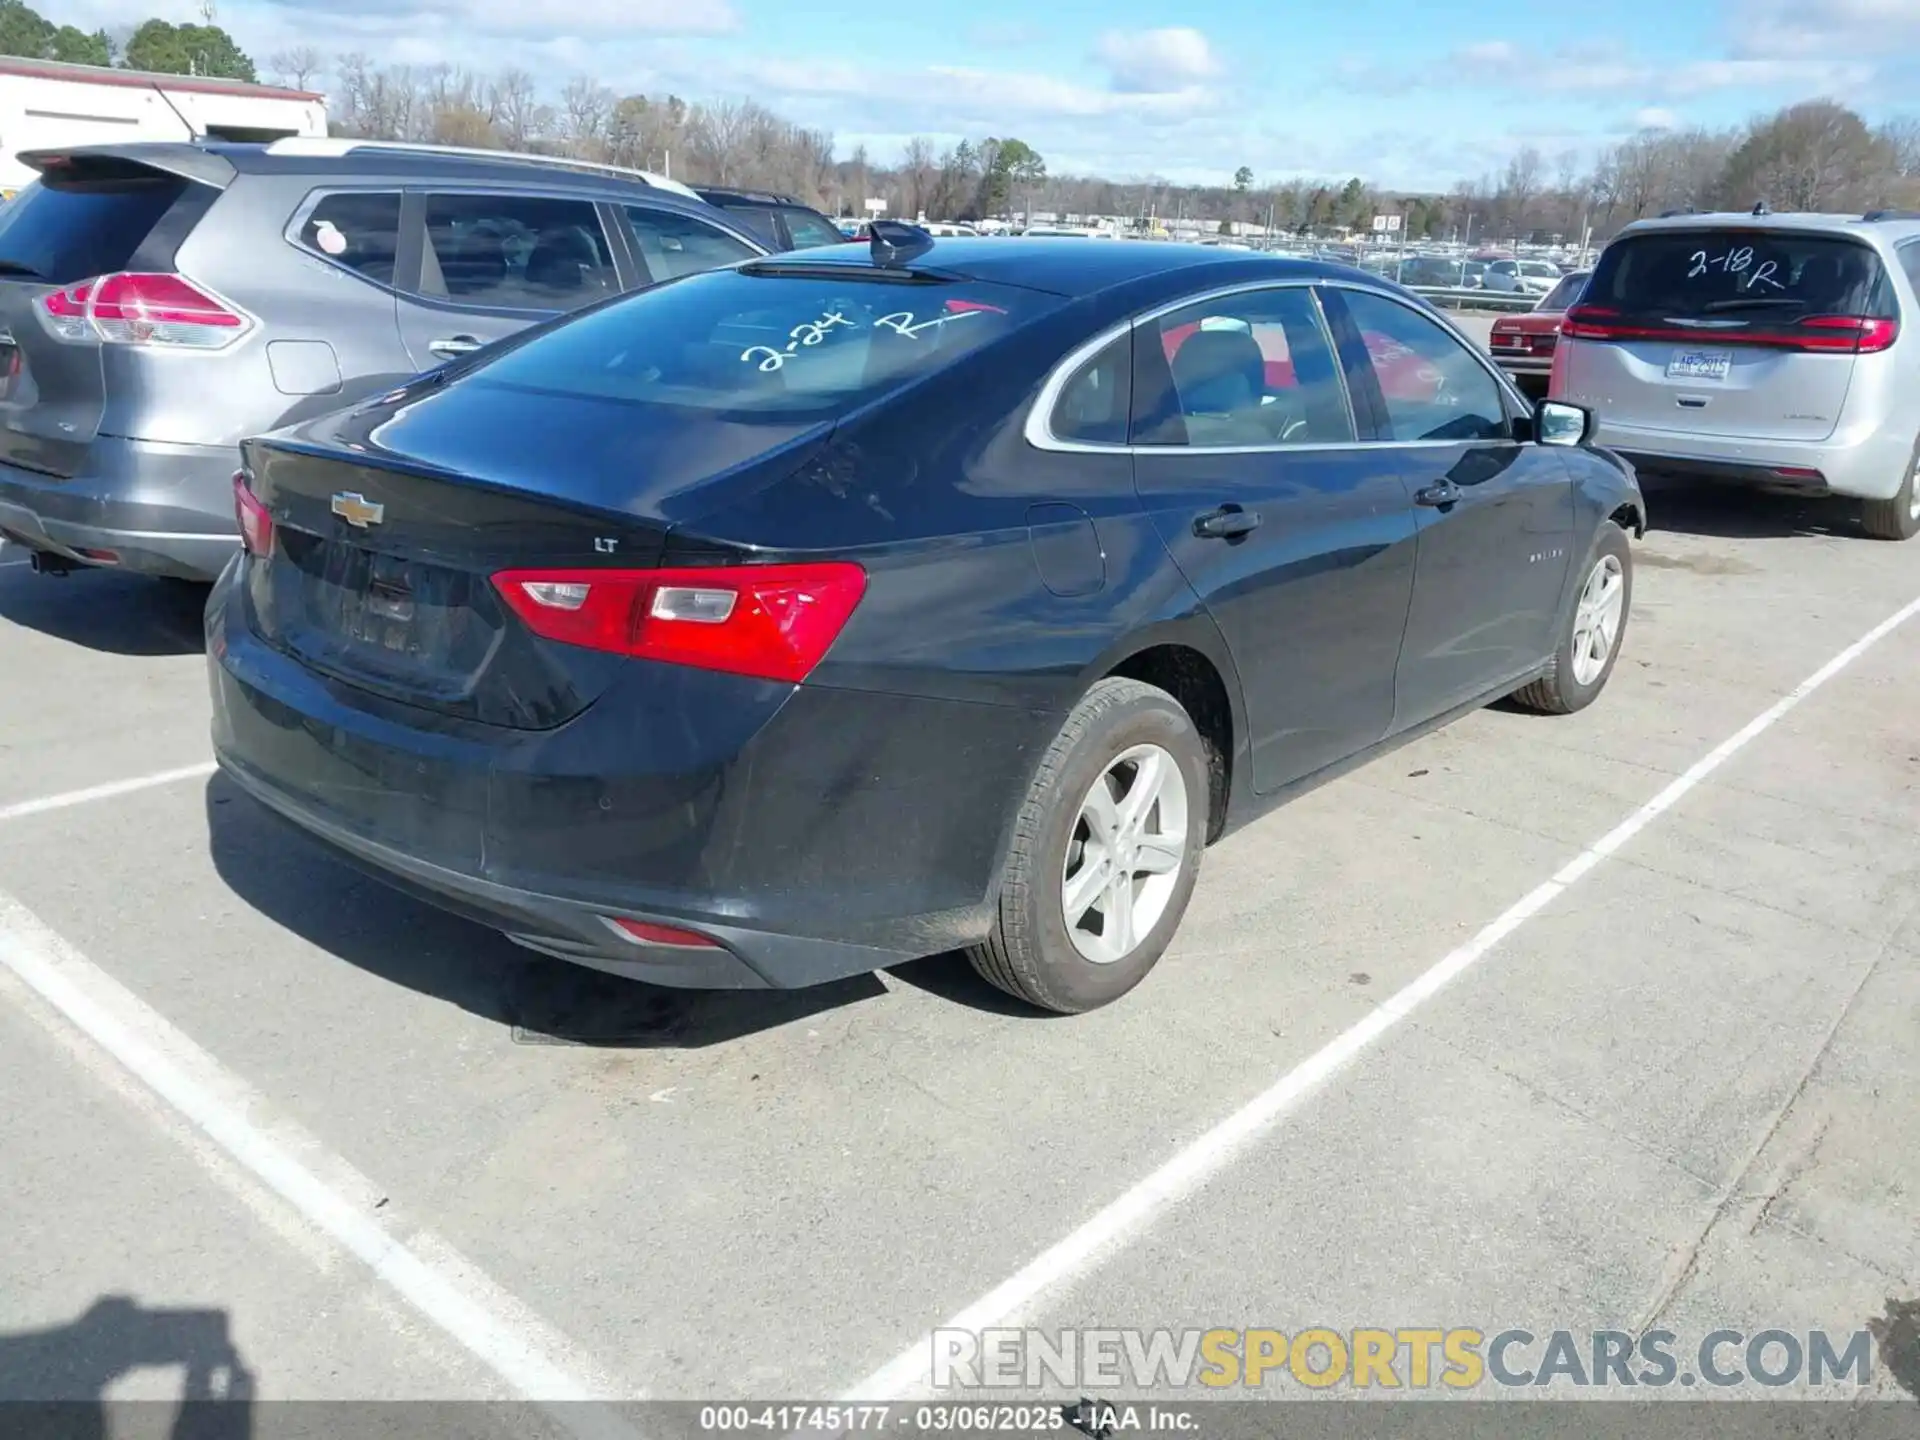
{"points": [[1603, 1021]]}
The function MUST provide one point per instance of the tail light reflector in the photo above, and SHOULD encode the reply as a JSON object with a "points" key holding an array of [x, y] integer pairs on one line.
{"points": [[256, 524], [158, 310], [773, 622], [1814, 334], [646, 932]]}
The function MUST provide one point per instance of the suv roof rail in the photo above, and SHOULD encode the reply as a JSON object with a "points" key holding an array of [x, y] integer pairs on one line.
{"points": [[1873, 215], [768, 197], [333, 147], [1683, 210]]}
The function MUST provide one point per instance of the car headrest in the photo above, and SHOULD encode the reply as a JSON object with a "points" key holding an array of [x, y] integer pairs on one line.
{"points": [[1219, 371]]}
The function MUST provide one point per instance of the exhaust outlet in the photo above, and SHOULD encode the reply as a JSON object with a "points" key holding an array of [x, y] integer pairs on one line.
{"points": [[45, 562]]}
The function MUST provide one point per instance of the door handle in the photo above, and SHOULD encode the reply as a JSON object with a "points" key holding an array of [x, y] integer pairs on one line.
{"points": [[1442, 494], [1229, 522], [452, 345]]}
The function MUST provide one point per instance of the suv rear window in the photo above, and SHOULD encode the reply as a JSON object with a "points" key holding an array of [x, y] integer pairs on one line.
{"points": [[1775, 275], [758, 342], [78, 229]]}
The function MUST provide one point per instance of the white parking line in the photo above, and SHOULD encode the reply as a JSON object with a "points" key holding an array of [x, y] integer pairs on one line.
{"points": [[534, 1361], [111, 790], [1124, 1219]]}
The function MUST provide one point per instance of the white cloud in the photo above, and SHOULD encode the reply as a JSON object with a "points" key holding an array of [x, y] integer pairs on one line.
{"points": [[1770, 29], [1655, 117], [1156, 62]]}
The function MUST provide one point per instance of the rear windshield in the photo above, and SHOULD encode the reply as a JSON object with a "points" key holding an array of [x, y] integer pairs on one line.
{"points": [[1696, 274], [748, 344], [77, 230]]}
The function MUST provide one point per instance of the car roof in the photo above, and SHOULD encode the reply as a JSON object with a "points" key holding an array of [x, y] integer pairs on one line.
{"points": [[406, 165], [1893, 227], [1075, 267]]}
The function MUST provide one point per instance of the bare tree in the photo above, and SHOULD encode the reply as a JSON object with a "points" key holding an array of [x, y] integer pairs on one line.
{"points": [[513, 103], [1518, 188], [295, 66], [586, 113], [921, 171]]}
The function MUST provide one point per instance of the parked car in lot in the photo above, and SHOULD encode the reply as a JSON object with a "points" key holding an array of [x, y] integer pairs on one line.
{"points": [[160, 302], [1522, 277], [969, 590], [1776, 351], [779, 222], [1523, 345]]}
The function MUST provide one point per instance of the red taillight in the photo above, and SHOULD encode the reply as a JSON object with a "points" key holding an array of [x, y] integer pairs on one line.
{"points": [[138, 309], [1848, 334], [774, 622], [256, 525], [1816, 334]]}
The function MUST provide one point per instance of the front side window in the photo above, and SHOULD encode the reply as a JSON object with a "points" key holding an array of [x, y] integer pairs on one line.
{"points": [[809, 229], [360, 232], [516, 252], [1433, 386], [1253, 369], [672, 244]]}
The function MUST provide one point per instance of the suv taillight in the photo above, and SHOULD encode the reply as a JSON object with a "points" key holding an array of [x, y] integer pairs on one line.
{"points": [[128, 308], [1815, 334]]}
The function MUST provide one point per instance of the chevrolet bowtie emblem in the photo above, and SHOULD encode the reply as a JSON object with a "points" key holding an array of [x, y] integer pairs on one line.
{"points": [[357, 510]]}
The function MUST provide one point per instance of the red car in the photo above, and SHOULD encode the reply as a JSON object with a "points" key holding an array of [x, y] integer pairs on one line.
{"points": [[1522, 345]]}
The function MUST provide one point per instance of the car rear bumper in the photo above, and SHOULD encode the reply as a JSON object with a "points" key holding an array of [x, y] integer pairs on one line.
{"points": [[156, 508], [812, 833], [1867, 466], [1524, 364]]}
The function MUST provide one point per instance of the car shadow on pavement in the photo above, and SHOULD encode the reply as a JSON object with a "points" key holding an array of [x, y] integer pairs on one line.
{"points": [[115, 614], [55, 1381], [1689, 507], [300, 886]]}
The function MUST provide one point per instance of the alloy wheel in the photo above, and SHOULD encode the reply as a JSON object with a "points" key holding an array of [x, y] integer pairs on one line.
{"points": [[1596, 620], [1126, 853]]}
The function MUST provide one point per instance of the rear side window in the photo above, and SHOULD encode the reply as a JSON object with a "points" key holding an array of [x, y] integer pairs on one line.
{"points": [[1094, 403], [672, 244], [1910, 262], [516, 252], [809, 230], [1564, 295], [758, 222], [753, 343], [360, 232], [74, 230], [1770, 275]]}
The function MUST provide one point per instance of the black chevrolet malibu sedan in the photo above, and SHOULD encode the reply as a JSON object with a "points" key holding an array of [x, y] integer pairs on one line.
{"points": [[794, 620]]}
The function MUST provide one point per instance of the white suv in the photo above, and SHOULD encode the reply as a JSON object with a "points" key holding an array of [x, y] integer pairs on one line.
{"points": [[1778, 351]]}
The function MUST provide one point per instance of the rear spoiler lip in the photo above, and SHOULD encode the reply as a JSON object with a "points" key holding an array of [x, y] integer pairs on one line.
{"points": [[188, 162]]}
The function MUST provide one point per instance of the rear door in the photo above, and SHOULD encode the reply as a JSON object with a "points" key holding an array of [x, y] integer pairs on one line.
{"points": [[492, 263], [1298, 539], [1746, 334], [1495, 513], [91, 214]]}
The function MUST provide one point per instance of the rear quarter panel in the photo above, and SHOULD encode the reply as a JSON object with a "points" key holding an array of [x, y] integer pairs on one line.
{"points": [[240, 251]]}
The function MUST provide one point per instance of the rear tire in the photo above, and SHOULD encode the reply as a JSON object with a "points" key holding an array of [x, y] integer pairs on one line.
{"points": [[1132, 844], [1897, 518], [1577, 673]]}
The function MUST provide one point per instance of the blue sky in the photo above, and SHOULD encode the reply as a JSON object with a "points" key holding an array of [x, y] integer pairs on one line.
{"points": [[1403, 92]]}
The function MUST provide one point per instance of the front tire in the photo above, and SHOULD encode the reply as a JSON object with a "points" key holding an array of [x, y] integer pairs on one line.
{"points": [[1590, 635], [1105, 852], [1897, 518]]}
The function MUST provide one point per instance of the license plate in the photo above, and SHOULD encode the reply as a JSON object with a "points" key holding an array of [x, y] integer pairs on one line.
{"points": [[1700, 365]]}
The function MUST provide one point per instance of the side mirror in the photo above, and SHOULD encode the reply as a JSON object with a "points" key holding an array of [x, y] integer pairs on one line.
{"points": [[1557, 423]]}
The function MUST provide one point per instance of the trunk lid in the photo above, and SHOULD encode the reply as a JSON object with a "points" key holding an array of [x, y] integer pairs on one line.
{"points": [[93, 212], [1724, 332]]}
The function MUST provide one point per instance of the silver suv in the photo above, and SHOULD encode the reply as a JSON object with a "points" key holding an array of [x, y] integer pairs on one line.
{"points": [[1778, 351], [161, 302]]}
